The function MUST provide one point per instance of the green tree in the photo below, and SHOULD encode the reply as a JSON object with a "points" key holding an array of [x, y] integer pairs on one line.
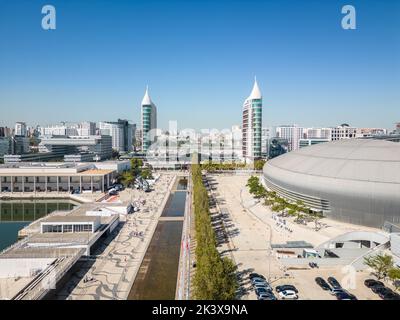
{"points": [[215, 277], [394, 275], [296, 209], [280, 205], [270, 198], [115, 154], [259, 164], [146, 174], [380, 263], [127, 178]]}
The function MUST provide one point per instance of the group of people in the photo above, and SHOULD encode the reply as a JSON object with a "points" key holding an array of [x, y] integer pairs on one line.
{"points": [[88, 279], [281, 223], [137, 234]]}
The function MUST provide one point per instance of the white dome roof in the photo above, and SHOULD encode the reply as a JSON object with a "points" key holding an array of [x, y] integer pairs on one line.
{"points": [[352, 159]]}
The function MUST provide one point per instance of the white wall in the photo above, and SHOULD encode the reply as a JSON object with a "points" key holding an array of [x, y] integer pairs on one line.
{"points": [[11, 268]]}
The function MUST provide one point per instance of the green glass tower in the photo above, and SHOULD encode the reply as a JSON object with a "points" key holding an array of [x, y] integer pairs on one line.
{"points": [[149, 121], [252, 125]]}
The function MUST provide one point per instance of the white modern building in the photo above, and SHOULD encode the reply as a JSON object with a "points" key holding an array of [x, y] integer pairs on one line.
{"points": [[352, 180], [149, 121], [70, 224], [86, 129], [292, 133], [54, 177], [318, 133], [20, 129], [121, 133], [310, 142], [370, 132], [98, 146], [265, 136], [252, 125], [62, 129], [343, 131]]}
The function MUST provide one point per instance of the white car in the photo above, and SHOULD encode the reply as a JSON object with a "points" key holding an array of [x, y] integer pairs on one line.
{"points": [[288, 294]]}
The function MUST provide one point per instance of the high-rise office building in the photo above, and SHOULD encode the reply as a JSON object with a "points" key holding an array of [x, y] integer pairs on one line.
{"points": [[265, 137], [4, 146], [92, 146], [292, 133], [121, 133], [318, 133], [20, 129], [149, 121], [86, 129], [19, 145], [251, 125], [62, 129]]}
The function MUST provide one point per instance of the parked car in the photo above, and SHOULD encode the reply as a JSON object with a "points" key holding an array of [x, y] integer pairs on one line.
{"points": [[260, 291], [322, 283], [385, 292], [256, 275], [288, 294], [369, 283], [258, 280], [113, 192], [344, 295], [262, 285], [336, 291], [118, 187], [334, 283], [379, 289], [286, 287], [266, 296], [391, 296]]}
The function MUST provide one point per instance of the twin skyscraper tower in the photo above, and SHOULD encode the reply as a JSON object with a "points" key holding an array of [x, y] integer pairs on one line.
{"points": [[251, 124]]}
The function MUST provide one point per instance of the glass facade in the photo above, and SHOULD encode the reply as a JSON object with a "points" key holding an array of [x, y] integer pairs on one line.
{"points": [[256, 106], [146, 125], [252, 125]]}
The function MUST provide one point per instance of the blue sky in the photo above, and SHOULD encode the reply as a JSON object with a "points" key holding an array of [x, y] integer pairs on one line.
{"points": [[199, 59]]}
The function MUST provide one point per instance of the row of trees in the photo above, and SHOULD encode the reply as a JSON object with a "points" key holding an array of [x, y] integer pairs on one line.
{"points": [[383, 267], [215, 277], [128, 177], [211, 166], [281, 205]]}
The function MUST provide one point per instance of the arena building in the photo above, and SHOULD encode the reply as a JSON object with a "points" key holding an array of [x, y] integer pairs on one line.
{"points": [[355, 180]]}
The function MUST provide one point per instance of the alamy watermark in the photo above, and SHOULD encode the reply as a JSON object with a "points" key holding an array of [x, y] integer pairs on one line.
{"points": [[349, 20], [49, 20]]}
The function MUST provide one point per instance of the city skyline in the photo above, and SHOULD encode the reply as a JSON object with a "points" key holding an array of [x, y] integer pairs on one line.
{"points": [[320, 75]]}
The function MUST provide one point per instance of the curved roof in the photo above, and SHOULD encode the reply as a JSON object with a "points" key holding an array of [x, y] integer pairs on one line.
{"points": [[146, 99], [354, 159], [255, 93]]}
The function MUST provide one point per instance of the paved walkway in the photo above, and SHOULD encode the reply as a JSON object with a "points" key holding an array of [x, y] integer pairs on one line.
{"points": [[251, 230], [113, 266]]}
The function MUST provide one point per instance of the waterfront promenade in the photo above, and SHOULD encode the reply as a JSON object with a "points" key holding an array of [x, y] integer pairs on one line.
{"points": [[112, 267]]}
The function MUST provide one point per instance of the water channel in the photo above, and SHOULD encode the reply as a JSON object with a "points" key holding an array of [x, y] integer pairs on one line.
{"points": [[157, 275]]}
